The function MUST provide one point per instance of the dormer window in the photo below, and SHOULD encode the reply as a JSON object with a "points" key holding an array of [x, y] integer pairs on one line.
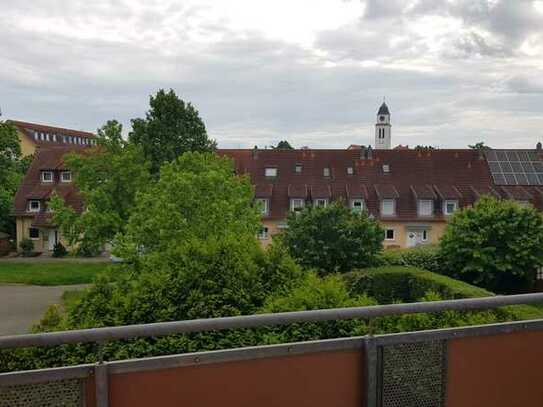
{"points": [[426, 207], [357, 205], [386, 168], [350, 170], [270, 172], [296, 204], [34, 205], [321, 202], [450, 206], [388, 207], [298, 168], [66, 176], [47, 176], [326, 172], [263, 205]]}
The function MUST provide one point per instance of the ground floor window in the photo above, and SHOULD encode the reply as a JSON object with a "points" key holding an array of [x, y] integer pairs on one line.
{"points": [[263, 234], [424, 235], [33, 233], [389, 234]]}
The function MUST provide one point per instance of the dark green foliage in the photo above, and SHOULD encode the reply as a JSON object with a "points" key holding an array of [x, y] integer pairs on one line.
{"points": [[479, 146], [427, 257], [496, 244], [315, 293], [283, 145], [27, 247], [12, 169], [108, 180], [406, 284], [59, 250], [171, 127], [197, 196], [333, 238]]}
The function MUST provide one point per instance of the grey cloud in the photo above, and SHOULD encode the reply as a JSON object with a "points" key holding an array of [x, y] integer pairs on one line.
{"points": [[254, 90]]}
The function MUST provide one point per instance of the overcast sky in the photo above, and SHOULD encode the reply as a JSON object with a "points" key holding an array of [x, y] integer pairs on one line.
{"points": [[314, 72]]}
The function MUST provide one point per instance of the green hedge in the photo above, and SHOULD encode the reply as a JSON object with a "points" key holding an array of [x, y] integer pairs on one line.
{"points": [[407, 284], [391, 284], [425, 257]]}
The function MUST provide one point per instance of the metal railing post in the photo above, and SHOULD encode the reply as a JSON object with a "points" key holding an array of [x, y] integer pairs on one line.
{"points": [[101, 379], [371, 359]]}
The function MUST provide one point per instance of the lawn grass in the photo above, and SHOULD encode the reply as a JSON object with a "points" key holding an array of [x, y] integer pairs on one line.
{"points": [[50, 273]]}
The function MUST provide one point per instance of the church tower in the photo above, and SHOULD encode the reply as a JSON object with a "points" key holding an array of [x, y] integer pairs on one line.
{"points": [[383, 129]]}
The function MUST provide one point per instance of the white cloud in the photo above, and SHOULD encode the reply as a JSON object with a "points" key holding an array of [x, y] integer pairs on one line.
{"points": [[455, 71]]}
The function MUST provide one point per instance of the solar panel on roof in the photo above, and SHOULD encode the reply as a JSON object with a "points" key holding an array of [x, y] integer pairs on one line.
{"points": [[514, 167]]}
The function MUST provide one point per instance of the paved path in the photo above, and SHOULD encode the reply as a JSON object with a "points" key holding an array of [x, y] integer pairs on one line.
{"points": [[21, 306]]}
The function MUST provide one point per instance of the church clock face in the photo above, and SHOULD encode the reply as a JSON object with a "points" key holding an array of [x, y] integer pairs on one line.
{"points": [[382, 118]]}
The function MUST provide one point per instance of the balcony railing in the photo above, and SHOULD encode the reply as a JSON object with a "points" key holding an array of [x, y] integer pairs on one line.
{"points": [[489, 365]]}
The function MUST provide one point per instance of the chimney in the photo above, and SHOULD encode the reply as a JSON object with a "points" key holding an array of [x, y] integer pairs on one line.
{"points": [[539, 146], [362, 152], [255, 152]]}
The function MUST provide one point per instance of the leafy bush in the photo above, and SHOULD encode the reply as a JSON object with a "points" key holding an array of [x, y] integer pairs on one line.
{"points": [[495, 244], [315, 293], [27, 247], [333, 239], [406, 284], [59, 250], [427, 257]]}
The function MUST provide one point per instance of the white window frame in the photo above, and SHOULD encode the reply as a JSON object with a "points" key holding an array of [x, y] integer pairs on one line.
{"points": [[392, 202], [264, 206], [326, 172], [420, 206], [362, 205], [45, 180], [30, 209], [63, 173], [270, 172], [393, 238], [34, 238], [263, 233], [293, 204], [298, 168], [321, 203], [350, 170], [450, 202]]}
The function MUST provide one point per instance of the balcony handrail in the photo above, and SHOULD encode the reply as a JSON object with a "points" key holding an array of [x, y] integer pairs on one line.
{"points": [[105, 334]]}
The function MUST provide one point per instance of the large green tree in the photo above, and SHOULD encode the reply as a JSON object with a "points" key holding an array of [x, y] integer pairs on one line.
{"points": [[333, 238], [171, 127], [108, 178], [496, 244], [12, 169], [197, 196]]}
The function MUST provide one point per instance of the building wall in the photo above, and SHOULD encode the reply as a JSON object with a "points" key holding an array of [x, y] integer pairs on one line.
{"points": [[435, 231], [42, 243], [27, 146], [401, 229]]}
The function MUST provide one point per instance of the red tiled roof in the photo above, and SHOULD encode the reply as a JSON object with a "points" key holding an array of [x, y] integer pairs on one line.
{"points": [[30, 128], [517, 193], [263, 190], [321, 191], [423, 192], [356, 191], [439, 174], [386, 191], [297, 191], [447, 192], [47, 158]]}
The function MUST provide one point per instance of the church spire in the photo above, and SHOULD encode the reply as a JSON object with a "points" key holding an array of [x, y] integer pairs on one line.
{"points": [[383, 128]]}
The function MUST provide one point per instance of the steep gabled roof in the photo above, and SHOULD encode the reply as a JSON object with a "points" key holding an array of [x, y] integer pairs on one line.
{"points": [[31, 129], [47, 158], [413, 174]]}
